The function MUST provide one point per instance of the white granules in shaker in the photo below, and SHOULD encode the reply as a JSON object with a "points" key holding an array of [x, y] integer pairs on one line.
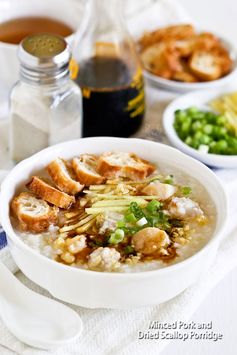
{"points": [[46, 105]]}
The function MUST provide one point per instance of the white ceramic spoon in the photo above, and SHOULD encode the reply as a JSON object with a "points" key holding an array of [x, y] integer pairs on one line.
{"points": [[34, 319]]}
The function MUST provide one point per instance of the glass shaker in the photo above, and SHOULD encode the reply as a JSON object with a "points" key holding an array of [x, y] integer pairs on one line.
{"points": [[45, 105], [106, 67]]}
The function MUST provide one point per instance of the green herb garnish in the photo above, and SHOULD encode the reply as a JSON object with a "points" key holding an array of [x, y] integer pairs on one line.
{"points": [[186, 190], [117, 236], [153, 206], [136, 210], [129, 250], [121, 224], [130, 217], [152, 213], [169, 180]]}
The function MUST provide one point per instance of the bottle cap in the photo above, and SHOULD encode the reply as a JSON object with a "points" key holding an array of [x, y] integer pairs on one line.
{"points": [[43, 53]]}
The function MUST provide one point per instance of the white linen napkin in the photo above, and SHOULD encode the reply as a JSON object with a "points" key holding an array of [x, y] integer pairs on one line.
{"points": [[116, 332]]}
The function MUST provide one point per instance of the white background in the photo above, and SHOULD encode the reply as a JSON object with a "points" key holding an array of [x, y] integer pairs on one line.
{"points": [[221, 304]]}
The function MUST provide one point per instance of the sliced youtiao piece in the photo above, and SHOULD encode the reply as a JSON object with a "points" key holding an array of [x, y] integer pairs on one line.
{"points": [[61, 175], [161, 190], [184, 207], [205, 65], [113, 165], [34, 215], [206, 41], [176, 32], [162, 60], [223, 59], [85, 170], [150, 240], [49, 193], [184, 47]]}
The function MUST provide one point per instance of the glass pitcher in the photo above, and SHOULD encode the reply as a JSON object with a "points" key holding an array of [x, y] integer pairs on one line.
{"points": [[107, 68]]}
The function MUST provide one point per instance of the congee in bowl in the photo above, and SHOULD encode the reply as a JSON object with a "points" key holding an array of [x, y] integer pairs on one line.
{"points": [[113, 212]]}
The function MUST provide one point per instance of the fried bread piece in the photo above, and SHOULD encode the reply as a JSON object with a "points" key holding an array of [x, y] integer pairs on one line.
{"points": [[185, 74], [60, 173], [162, 60], [205, 65], [205, 41], [184, 47], [34, 214], [85, 169], [49, 193], [113, 165], [178, 53], [177, 32], [223, 59]]}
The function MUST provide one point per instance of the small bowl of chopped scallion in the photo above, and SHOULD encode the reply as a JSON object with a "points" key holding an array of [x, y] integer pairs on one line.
{"points": [[204, 125]]}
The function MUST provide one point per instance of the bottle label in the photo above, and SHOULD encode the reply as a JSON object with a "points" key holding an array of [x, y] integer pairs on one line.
{"points": [[136, 105], [74, 69]]}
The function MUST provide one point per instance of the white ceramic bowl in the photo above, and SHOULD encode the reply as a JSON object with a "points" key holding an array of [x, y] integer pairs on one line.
{"points": [[200, 100], [181, 87], [102, 289]]}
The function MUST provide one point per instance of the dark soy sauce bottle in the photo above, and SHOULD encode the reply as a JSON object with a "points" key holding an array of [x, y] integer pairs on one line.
{"points": [[106, 67]]}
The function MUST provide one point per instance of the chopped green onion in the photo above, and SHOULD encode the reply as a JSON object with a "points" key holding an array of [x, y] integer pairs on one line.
{"points": [[193, 110], [153, 206], [169, 180], [136, 210], [142, 222], [159, 220], [186, 190], [121, 224], [129, 249], [207, 131], [130, 218], [117, 236], [132, 230]]}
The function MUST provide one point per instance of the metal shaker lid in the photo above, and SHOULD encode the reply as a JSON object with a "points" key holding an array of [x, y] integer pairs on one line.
{"points": [[44, 51]]}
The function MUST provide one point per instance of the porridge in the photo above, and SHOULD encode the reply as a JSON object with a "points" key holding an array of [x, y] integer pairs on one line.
{"points": [[115, 213]]}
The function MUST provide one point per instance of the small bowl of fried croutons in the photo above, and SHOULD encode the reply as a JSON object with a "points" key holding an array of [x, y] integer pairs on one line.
{"points": [[180, 58]]}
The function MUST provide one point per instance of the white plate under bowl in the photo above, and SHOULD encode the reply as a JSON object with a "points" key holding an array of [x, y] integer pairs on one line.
{"points": [[182, 87], [200, 100]]}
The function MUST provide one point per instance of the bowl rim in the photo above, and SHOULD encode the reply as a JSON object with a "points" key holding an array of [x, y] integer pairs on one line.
{"points": [[12, 235], [168, 120], [178, 85]]}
